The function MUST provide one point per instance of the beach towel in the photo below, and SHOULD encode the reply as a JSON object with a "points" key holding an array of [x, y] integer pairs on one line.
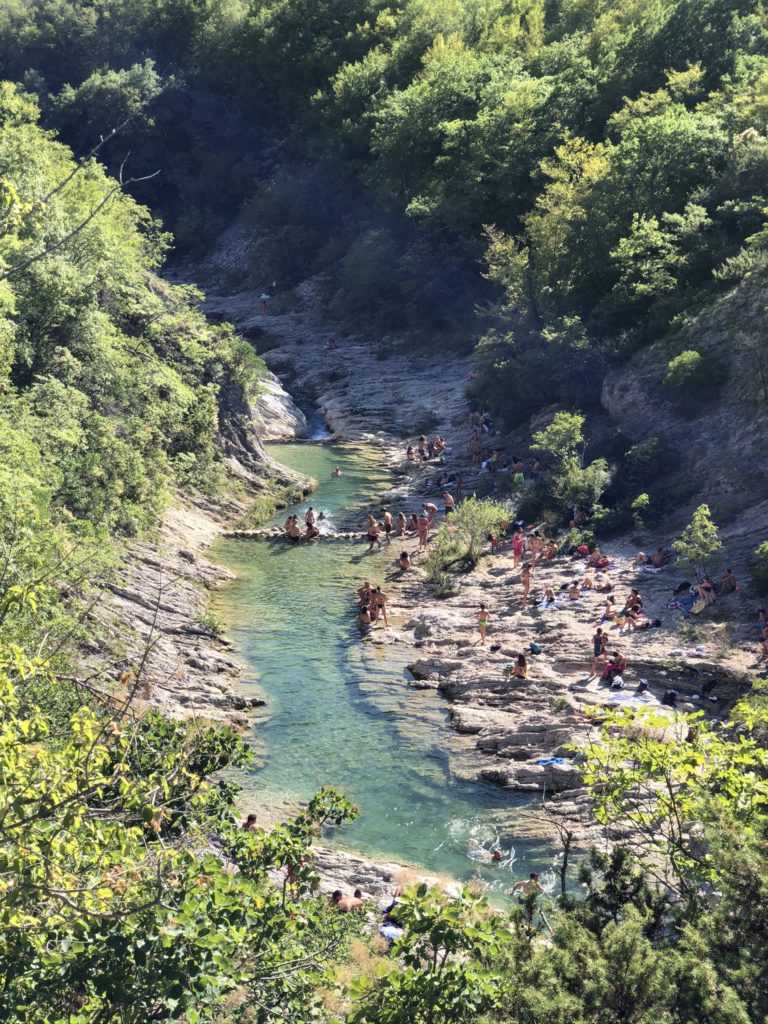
{"points": [[544, 761]]}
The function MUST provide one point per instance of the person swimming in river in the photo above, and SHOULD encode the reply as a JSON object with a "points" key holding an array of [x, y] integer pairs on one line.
{"points": [[527, 886], [478, 852], [312, 532], [336, 471]]}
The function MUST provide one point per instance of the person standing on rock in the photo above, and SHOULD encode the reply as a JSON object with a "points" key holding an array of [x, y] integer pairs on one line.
{"points": [[482, 623], [430, 510], [599, 645], [309, 518], [372, 532], [388, 523], [526, 574], [518, 543], [449, 501], [423, 531], [379, 600]]}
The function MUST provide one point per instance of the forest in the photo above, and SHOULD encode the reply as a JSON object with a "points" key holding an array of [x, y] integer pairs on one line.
{"points": [[551, 185]]}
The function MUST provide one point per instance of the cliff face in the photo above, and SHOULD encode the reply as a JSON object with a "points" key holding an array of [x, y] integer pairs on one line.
{"points": [[720, 451], [155, 611]]}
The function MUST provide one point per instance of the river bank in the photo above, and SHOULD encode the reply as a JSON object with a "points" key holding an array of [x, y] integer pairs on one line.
{"points": [[379, 397]]}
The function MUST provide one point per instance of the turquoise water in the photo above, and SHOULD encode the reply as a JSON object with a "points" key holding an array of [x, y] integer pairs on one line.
{"points": [[340, 711]]}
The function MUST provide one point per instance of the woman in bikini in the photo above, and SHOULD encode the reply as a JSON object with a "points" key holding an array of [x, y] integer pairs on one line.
{"points": [[482, 623], [518, 543], [402, 524], [525, 578]]}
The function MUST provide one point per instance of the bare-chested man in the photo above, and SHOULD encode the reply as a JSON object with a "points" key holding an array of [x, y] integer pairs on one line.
{"points": [[449, 501], [430, 510], [388, 524], [372, 532]]}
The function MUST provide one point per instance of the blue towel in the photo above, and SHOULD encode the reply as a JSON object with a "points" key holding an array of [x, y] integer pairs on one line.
{"points": [[544, 761]]}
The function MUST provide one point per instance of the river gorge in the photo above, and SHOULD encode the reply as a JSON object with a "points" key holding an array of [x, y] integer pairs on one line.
{"points": [[341, 711]]}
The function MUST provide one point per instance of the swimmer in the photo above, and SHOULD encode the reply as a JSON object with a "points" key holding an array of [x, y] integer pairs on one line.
{"points": [[477, 852], [527, 885], [309, 518], [322, 517], [336, 471]]}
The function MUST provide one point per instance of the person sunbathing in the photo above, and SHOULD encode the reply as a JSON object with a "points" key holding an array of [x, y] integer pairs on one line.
{"points": [[574, 591], [549, 596], [404, 561], [728, 582], [549, 551]]}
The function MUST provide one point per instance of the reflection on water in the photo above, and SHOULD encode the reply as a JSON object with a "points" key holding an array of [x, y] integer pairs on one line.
{"points": [[340, 712]]}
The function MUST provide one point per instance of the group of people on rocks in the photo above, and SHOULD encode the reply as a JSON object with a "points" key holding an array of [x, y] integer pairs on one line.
{"points": [[311, 531], [426, 449], [372, 606], [402, 525]]}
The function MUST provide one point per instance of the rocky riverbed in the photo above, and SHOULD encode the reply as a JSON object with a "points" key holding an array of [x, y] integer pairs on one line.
{"points": [[378, 398]]}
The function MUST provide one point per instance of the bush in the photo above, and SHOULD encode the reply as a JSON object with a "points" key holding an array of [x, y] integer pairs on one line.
{"points": [[693, 379], [759, 569], [473, 520], [699, 547]]}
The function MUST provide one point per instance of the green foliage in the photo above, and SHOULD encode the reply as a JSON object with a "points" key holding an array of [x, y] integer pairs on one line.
{"points": [[443, 971], [699, 547], [113, 386], [692, 379], [115, 906], [471, 522], [759, 568]]}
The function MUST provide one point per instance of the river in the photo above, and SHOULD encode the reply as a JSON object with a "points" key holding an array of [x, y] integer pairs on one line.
{"points": [[340, 712]]}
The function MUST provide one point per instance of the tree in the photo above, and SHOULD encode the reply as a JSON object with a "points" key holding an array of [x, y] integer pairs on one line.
{"points": [[699, 548], [563, 439]]}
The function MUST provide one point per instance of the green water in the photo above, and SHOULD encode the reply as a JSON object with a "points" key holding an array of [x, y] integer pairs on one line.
{"points": [[340, 711]]}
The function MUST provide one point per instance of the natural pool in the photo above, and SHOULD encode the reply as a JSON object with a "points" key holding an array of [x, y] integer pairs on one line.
{"points": [[340, 711]]}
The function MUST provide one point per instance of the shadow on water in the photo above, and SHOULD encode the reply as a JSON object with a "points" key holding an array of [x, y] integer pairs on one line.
{"points": [[341, 712]]}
